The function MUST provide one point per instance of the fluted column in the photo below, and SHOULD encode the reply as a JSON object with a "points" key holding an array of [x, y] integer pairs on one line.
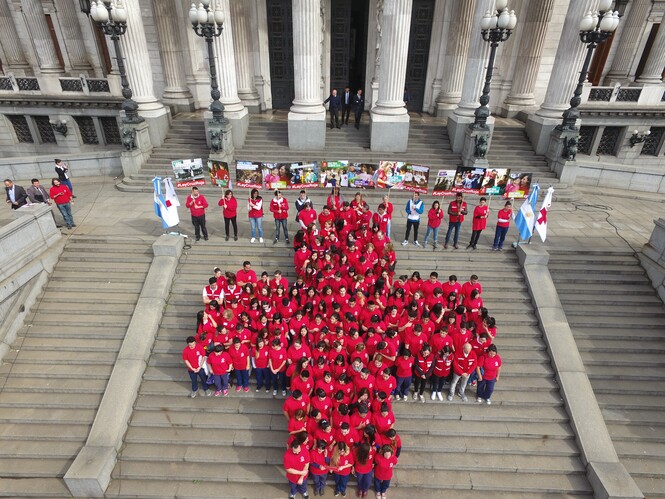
{"points": [[47, 57], [226, 63], [240, 17], [625, 60], [73, 39], [459, 38], [653, 69], [9, 40], [170, 48], [528, 60]]}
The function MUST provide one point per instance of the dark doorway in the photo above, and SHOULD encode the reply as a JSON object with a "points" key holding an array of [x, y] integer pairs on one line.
{"points": [[280, 47], [348, 43], [419, 42]]}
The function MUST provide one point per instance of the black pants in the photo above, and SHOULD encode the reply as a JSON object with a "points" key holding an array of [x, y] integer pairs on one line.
{"points": [[346, 110], [415, 224], [200, 226], [233, 221], [475, 235], [419, 384], [334, 118], [358, 114]]}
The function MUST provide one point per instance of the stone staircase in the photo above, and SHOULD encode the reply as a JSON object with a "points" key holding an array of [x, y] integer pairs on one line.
{"points": [[521, 446], [267, 140], [53, 378], [618, 323]]}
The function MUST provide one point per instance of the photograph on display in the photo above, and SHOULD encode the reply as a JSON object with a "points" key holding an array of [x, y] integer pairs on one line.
{"points": [[518, 186], [276, 175], [302, 176], [390, 174], [362, 175], [495, 181], [334, 173], [249, 175], [188, 172], [219, 173], [445, 181], [415, 179], [469, 179]]}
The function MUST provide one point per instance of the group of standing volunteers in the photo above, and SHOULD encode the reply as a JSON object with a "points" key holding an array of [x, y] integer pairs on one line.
{"points": [[336, 209]]}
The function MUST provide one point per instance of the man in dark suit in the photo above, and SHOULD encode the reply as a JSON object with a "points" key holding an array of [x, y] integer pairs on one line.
{"points": [[358, 106], [347, 102], [335, 104], [16, 195]]}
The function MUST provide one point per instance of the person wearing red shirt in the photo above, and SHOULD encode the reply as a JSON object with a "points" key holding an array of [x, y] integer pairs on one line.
{"points": [[279, 207], [303, 382], [404, 374], [296, 464], [306, 216], [348, 435], [452, 286], [480, 214], [246, 275], [296, 401], [464, 363], [277, 365], [255, 208], [502, 226], [489, 375], [213, 291], [240, 355], [62, 196], [319, 466], [422, 370], [261, 352], [384, 419], [229, 206], [381, 219], [341, 462], [335, 201], [384, 462], [221, 365], [197, 204], [434, 219], [456, 211], [193, 356], [364, 465], [470, 285]]}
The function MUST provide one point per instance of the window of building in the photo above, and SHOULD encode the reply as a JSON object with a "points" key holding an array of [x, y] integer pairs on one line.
{"points": [[653, 141], [609, 141], [110, 130], [585, 142], [45, 130], [87, 128], [21, 128]]}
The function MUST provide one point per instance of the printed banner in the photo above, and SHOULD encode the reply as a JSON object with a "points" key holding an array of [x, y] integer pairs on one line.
{"points": [[188, 172], [402, 176], [276, 175], [303, 176], [445, 181], [495, 181], [249, 175], [416, 178], [334, 173], [469, 179], [390, 174], [362, 175], [518, 185], [219, 173]]}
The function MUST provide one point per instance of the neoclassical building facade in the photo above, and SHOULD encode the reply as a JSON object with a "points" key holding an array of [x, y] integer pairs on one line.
{"points": [[58, 72]]}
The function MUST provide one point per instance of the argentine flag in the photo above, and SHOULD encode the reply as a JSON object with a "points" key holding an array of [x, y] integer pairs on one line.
{"points": [[164, 209], [525, 218]]}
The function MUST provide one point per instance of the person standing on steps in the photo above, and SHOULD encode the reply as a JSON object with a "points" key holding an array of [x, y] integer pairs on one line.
{"points": [[347, 102], [255, 207], [358, 106], [193, 355], [480, 214], [489, 370], [414, 208], [63, 200], [197, 204], [434, 219], [502, 226], [16, 195], [229, 206], [300, 203], [279, 207], [62, 171], [456, 211], [335, 104], [36, 193], [296, 464]]}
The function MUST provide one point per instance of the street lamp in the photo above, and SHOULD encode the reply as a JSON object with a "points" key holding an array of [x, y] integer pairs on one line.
{"points": [[112, 18], [208, 23], [595, 28], [496, 28]]}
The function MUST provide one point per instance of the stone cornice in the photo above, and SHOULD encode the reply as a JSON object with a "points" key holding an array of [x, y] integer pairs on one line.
{"points": [[60, 102]]}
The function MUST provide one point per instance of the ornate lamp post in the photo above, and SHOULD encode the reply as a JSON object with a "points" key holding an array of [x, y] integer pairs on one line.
{"points": [[112, 18], [496, 28], [595, 28], [208, 24]]}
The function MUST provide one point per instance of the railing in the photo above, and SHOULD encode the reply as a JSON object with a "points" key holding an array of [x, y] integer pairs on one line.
{"points": [[642, 96], [82, 85]]}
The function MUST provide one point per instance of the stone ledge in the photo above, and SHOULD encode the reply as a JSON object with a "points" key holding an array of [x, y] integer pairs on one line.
{"points": [[90, 473]]}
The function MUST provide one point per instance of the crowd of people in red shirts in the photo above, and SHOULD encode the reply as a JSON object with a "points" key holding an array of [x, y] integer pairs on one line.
{"points": [[348, 338]]}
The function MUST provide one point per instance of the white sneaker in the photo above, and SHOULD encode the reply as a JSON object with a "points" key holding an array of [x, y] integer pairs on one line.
{"points": [[274, 393], [416, 243], [489, 402], [479, 400], [260, 239], [439, 395], [398, 397], [422, 399], [415, 396], [449, 398], [192, 395], [433, 397], [405, 242], [252, 240], [463, 397]]}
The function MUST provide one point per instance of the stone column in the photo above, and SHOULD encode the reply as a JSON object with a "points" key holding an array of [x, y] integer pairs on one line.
{"points": [[459, 37], [35, 21], [389, 119], [653, 69], [307, 117], [139, 73], [240, 17], [234, 111], [528, 60], [175, 91], [474, 79], [78, 58], [437, 53], [625, 60], [563, 79], [9, 41]]}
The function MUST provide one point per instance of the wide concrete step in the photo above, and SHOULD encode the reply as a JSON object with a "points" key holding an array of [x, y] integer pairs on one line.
{"points": [[32, 487]]}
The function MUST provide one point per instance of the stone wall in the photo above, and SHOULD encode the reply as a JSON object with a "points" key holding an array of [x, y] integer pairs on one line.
{"points": [[80, 165], [653, 257]]}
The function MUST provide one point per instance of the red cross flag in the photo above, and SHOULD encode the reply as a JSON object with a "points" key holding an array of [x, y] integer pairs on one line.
{"points": [[541, 216]]}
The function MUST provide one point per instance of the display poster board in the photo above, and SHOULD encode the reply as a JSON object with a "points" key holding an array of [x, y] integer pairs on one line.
{"points": [[303, 176], [334, 174], [219, 173], [518, 185], [188, 172], [249, 175], [445, 181]]}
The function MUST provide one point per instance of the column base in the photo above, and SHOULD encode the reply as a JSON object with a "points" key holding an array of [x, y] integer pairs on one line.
{"points": [[240, 122], [565, 167], [389, 133], [158, 117], [539, 129], [179, 101], [475, 154], [307, 132], [223, 133], [513, 109], [444, 109], [251, 101]]}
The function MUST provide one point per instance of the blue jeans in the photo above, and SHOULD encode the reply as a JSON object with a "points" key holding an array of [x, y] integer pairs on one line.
{"points": [[500, 236], [389, 226], [364, 481], [453, 226], [341, 481], [242, 377], [277, 380], [66, 212], [256, 224], [434, 232], [68, 183], [486, 388], [298, 488], [195, 379], [381, 486], [319, 481], [221, 381], [281, 224], [403, 385], [262, 377]]}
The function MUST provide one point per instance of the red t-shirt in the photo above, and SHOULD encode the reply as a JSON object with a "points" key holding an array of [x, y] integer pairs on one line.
{"points": [[343, 461], [219, 363], [491, 366], [383, 467], [229, 207], [367, 467], [298, 462], [239, 357], [197, 206], [404, 366], [480, 217], [194, 355], [503, 217]]}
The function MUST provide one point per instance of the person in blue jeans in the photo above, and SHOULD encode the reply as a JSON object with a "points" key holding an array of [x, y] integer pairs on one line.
{"points": [[341, 462], [364, 467], [502, 226], [456, 211]]}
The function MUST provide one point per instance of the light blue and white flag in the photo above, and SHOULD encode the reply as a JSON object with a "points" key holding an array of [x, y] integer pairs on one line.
{"points": [[164, 209], [525, 218]]}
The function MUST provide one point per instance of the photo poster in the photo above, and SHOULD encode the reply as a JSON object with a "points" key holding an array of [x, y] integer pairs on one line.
{"points": [[219, 173], [362, 175], [518, 186], [495, 181], [390, 174], [468, 179], [415, 179], [334, 174], [445, 181], [303, 175], [276, 175], [249, 175], [188, 172]]}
